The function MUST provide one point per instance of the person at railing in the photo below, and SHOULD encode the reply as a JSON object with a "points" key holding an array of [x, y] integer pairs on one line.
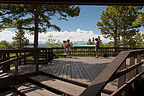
{"points": [[68, 48], [64, 47], [96, 47]]}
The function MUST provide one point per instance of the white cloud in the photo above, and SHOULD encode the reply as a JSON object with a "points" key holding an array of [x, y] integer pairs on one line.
{"points": [[78, 35], [6, 35]]}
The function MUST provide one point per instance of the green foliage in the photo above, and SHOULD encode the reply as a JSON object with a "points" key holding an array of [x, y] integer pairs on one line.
{"points": [[36, 18], [89, 42], [140, 19], [118, 21], [109, 44], [20, 40], [100, 42], [52, 42], [71, 44], [137, 41], [4, 44]]}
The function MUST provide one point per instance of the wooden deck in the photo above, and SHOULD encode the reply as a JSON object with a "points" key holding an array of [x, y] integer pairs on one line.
{"points": [[83, 69], [79, 69], [21, 70]]}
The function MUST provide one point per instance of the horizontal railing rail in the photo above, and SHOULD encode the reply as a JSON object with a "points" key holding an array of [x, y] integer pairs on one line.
{"points": [[14, 59], [127, 74], [90, 51], [24, 56]]}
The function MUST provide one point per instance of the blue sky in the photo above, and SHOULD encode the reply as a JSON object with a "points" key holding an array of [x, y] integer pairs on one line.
{"points": [[87, 19], [79, 28]]}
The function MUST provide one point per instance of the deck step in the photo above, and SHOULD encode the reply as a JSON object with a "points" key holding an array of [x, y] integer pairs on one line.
{"points": [[62, 86], [8, 93], [103, 94], [30, 89]]}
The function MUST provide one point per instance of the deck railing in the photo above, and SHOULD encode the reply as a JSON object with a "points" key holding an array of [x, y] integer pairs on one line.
{"points": [[126, 67], [13, 57], [17, 57], [90, 51], [45, 55]]}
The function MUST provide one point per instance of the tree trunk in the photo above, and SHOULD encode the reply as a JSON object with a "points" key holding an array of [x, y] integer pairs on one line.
{"points": [[36, 30], [115, 45], [36, 40], [115, 40]]}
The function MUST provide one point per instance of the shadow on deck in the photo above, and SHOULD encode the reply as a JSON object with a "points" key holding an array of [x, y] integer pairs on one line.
{"points": [[80, 69]]}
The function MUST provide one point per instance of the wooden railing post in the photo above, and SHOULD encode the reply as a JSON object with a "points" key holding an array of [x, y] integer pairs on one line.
{"points": [[49, 55], [46, 56], [132, 73], [122, 79], [4, 66], [8, 65], [20, 59], [36, 59], [51, 52], [16, 65], [25, 58], [130, 89], [139, 69], [138, 83]]}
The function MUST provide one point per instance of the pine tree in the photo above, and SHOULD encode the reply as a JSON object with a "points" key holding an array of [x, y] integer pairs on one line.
{"points": [[137, 41], [89, 42], [19, 39], [37, 18], [140, 19], [6, 45], [117, 21], [100, 42], [52, 42]]}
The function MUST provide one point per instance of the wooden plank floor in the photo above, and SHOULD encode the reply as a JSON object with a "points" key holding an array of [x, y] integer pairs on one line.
{"points": [[30, 89], [77, 68], [80, 69], [65, 87], [21, 70]]}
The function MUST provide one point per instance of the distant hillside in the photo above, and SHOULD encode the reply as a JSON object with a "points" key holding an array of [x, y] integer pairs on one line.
{"points": [[42, 45], [74, 43], [79, 43]]}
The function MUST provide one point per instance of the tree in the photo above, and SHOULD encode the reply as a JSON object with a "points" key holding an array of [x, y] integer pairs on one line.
{"points": [[89, 42], [4, 44], [140, 20], [100, 42], [109, 44], [137, 41], [52, 42], [19, 39], [117, 21], [37, 18], [71, 44]]}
